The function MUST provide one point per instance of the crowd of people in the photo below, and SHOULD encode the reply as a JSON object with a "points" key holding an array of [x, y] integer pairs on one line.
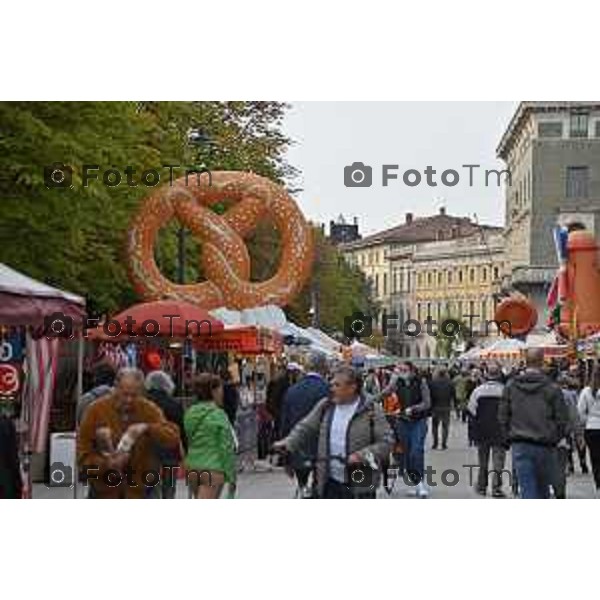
{"points": [[544, 414], [340, 431]]}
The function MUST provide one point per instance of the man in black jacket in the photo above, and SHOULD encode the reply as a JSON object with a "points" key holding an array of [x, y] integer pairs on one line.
{"points": [[534, 418], [442, 401]]}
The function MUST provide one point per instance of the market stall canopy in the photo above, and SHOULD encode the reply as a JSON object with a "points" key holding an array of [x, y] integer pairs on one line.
{"points": [[269, 316], [471, 354], [242, 340], [175, 319], [25, 301], [504, 348]]}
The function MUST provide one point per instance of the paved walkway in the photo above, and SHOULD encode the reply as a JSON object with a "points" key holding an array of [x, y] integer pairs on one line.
{"points": [[266, 483]]}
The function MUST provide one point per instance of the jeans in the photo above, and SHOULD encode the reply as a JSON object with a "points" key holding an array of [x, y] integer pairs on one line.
{"points": [[413, 436], [440, 417], [484, 449], [535, 468]]}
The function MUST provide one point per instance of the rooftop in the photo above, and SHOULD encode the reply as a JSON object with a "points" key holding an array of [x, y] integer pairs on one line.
{"points": [[423, 229]]}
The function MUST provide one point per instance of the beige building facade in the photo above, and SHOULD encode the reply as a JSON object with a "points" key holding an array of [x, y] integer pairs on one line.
{"points": [[436, 266]]}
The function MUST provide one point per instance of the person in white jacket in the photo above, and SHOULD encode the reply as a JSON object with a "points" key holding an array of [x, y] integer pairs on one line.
{"points": [[589, 412]]}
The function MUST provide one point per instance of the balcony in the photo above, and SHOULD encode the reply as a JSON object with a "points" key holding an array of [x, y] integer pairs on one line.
{"points": [[532, 275]]}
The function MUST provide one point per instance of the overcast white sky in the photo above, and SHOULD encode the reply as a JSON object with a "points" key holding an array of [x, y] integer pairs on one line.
{"points": [[413, 135]]}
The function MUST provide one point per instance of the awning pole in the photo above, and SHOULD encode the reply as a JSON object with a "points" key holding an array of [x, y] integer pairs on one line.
{"points": [[80, 348]]}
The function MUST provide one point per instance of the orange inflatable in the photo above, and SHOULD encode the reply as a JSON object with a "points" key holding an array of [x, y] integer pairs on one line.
{"points": [[575, 294], [516, 316], [225, 259], [580, 313]]}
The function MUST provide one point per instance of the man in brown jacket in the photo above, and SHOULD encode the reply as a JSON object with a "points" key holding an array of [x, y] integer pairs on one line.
{"points": [[118, 441], [354, 439]]}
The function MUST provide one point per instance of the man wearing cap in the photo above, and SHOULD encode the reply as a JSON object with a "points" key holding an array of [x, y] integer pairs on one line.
{"points": [[487, 433]]}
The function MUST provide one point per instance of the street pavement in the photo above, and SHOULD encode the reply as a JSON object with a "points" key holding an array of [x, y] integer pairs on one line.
{"points": [[450, 466]]}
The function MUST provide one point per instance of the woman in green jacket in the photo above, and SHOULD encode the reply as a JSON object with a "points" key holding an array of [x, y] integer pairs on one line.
{"points": [[211, 459]]}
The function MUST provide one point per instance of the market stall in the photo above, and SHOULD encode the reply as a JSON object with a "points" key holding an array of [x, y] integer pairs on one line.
{"points": [[28, 375]]}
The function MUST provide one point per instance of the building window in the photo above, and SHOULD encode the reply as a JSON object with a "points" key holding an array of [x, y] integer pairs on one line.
{"points": [[377, 284], [577, 182], [484, 274], [484, 309], [429, 309], [579, 125], [385, 284], [440, 278], [395, 283], [428, 279], [471, 307], [449, 276], [419, 311], [550, 129], [472, 275], [496, 273], [460, 276]]}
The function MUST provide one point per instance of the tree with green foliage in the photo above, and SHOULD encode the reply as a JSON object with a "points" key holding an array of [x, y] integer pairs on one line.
{"points": [[445, 346], [340, 288], [74, 237]]}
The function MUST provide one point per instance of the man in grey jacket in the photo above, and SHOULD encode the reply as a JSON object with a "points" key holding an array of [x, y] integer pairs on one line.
{"points": [[534, 418], [354, 439]]}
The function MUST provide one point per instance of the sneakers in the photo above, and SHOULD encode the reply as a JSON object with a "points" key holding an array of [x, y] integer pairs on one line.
{"points": [[422, 491]]}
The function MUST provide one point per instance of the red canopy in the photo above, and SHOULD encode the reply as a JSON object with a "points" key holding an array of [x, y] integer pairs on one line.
{"points": [[244, 340], [161, 318]]}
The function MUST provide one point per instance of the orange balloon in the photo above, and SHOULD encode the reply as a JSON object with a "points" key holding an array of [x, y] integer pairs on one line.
{"points": [[516, 315], [225, 259]]}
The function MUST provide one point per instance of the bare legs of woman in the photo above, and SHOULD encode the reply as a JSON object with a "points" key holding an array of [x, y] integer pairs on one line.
{"points": [[206, 485]]}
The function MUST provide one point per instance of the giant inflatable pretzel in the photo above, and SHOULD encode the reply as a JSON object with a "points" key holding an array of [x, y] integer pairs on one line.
{"points": [[225, 260]]}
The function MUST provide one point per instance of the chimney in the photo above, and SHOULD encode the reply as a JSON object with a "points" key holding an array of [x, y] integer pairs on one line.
{"points": [[409, 218], [442, 210]]}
